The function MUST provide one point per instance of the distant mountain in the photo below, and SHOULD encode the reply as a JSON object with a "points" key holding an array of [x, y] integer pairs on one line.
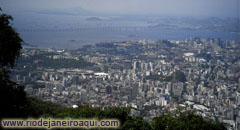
{"points": [[94, 19]]}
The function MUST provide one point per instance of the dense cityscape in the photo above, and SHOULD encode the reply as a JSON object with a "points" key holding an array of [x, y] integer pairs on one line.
{"points": [[155, 77]]}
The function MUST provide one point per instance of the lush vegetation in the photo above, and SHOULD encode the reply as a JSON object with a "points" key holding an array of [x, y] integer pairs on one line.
{"points": [[184, 121], [10, 41], [43, 60], [173, 121]]}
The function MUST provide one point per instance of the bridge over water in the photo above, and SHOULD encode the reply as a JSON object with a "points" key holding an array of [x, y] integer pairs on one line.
{"points": [[91, 29]]}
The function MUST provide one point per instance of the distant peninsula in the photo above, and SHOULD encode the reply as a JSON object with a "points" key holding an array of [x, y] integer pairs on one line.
{"points": [[94, 19]]}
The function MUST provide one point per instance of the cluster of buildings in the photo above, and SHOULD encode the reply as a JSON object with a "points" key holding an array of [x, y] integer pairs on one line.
{"points": [[153, 76]]}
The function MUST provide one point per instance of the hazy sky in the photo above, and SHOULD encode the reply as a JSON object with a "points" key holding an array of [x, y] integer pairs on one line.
{"points": [[163, 7]]}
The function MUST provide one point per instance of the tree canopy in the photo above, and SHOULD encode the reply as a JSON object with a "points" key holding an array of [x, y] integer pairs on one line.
{"points": [[184, 121], [13, 97], [10, 41]]}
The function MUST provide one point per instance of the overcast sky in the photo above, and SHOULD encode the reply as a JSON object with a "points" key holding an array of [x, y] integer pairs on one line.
{"points": [[160, 7]]}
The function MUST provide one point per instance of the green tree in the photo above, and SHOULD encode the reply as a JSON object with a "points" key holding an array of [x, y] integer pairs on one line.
{"points": [[10, 42], [12, 95], [184, 121], [136, 123]]}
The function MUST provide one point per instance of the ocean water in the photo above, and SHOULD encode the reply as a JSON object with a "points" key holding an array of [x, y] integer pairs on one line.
{"points": [[75, 39], [73, 31]]}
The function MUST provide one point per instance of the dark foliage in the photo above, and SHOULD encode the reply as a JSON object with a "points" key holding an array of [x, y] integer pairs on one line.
{"points": [[46, 62], [136, 123], [184, 121], [13, 97], [10, 42]]}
